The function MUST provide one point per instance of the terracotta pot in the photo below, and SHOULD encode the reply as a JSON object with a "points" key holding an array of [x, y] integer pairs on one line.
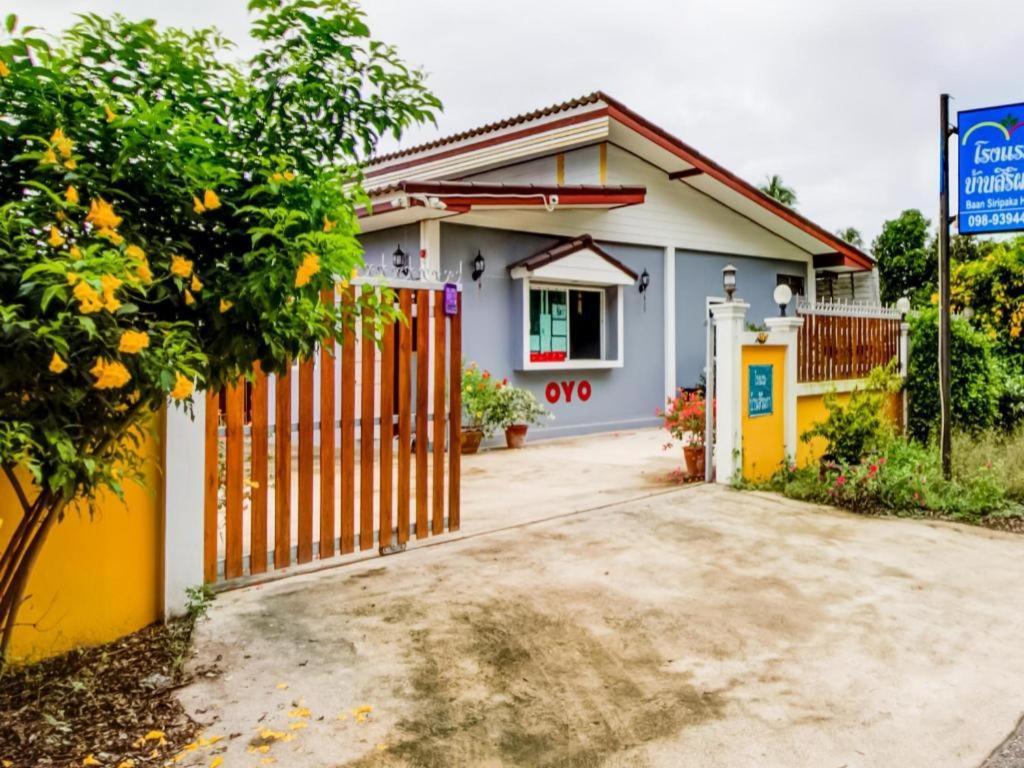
{"points": [[515, 435], [471, 440], [694, 460]]}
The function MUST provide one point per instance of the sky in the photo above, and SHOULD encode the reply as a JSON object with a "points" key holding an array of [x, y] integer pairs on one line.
{"points": [[839, 97]]}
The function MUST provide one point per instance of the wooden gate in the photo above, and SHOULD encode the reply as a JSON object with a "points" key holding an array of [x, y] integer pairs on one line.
{"points": [[345, 453]]}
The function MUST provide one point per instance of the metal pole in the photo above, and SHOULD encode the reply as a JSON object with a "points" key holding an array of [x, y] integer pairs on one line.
{"points": [[944, 337], [709, 396]]}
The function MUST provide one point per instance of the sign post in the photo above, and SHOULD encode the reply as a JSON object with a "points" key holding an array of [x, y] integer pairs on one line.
{"points": [[990, 199], [945, 435]]}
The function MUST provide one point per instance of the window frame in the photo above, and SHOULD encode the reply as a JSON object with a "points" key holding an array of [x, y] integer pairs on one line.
{"points": [[570, 363]]}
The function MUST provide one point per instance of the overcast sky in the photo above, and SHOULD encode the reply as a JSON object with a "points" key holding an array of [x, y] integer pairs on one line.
{"points": [[839, 97]]}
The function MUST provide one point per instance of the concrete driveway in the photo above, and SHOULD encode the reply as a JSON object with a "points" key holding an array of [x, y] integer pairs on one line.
{"points": [[699, 627]]}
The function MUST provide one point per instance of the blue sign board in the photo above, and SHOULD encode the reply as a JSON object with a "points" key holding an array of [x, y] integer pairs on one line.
{"points": [[759, 390], [991, 189]]}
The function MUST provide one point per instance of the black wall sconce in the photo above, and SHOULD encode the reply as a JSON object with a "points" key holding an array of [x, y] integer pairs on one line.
{"points": [[643, 284], [400, 259], [478, 267]]}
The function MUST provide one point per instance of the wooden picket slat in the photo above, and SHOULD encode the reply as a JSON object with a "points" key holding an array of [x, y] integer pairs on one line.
{"points": [[283, 469], [348, 427], [422, 383], [455, 419], [404, 411], [387, 428], [234, 479], [440, 382], [211, 485], [366, 426], [836, 347], [258, 473], [239, 480], [327, 397]]}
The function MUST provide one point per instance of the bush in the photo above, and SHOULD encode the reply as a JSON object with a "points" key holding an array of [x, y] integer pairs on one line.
{"points": [[858, 426], [685, 418], [479, 400], [975, 377], [515, 405], [904, 478], [998, 453]]}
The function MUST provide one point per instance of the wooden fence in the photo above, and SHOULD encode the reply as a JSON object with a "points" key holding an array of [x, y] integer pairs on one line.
{"points": [[837, 343], [286, 489]]}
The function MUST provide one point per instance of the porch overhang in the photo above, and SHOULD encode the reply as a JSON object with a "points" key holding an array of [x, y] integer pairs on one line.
{"points": [[579, 260], [411, 201]]}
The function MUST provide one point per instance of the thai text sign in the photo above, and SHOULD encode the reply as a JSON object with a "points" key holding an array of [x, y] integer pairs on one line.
{"points": [[991, 191], [759, 391]]}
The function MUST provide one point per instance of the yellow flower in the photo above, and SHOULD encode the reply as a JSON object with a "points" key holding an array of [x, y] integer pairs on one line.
{"points": [[49, 157], [197, 205], [4, 71], [102, 216], [111, 235], [109, 374], [89, 300], [70, 164], [135, 252], [111, 114], [309, 267], [62, 143], [133, 342], [73, 277], [90, 760], [225, 305], [110, 284], [71, 196], [329, 225], [144, 273], [180, 266], [196, 285], [56, 239], [183, 387], [210, 200], [189, 298], [57, 365]]}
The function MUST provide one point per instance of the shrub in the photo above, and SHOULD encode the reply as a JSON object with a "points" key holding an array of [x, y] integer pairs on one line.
{"points": [[975, 377], [685, 418], [515, 405], [858, 426], [996, 453], [479, 399]]}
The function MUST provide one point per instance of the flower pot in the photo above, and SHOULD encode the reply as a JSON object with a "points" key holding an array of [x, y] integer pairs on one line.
{"points": [[694, 460], [515, 435], [471, 440]]}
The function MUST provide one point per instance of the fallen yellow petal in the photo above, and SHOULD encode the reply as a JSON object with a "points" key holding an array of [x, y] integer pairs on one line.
{"points": [[299, 712], [217, 762], [298, 725], [90, 760], [282, 686]]}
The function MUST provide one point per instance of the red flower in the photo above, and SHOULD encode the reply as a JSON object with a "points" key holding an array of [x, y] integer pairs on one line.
{"points": [[840, 481], [487, 374], [872, 470]]}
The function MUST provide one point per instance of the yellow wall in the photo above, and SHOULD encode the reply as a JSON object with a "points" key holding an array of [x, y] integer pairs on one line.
{"points": [[810, 409], [95, 579], [763, 436]]}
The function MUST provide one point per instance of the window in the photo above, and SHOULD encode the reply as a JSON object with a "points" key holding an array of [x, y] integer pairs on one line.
{"points": [[795, 283], [566, 324]]}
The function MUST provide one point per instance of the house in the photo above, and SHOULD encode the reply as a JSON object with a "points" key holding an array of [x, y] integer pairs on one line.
{"points": [[589, 242]]}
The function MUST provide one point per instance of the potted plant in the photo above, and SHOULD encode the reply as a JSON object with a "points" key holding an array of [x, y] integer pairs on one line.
{"points": [[479, 401], [685, 418], [516, 409]]}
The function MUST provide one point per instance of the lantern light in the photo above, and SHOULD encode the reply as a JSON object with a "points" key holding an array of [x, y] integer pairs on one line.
{"points": [[478, 266], [783, 294], [729, 280], [400, 259]]}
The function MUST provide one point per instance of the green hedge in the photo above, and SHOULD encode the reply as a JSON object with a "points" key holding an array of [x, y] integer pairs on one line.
{"points": [[978, 380]]}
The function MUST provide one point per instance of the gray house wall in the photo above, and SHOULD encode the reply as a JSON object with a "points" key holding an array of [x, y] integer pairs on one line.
{"points": [[621, 398], [699, 275], [384, 241]]}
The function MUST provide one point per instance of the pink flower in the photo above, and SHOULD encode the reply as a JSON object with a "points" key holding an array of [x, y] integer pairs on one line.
{"points": [[840, 481], [872, 470]]}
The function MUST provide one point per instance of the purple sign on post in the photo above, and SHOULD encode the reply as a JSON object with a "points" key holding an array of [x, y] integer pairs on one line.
{"points": [[451, 299]]}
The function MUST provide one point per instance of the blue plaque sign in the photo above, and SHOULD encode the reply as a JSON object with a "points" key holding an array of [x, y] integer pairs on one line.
{"points": [[759, 391], [991, 188]]}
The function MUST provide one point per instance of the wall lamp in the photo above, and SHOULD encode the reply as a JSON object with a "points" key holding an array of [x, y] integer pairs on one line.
{"points": [[643, 284], [478, 266], [729, 280], [400, 259], [782, 295]]}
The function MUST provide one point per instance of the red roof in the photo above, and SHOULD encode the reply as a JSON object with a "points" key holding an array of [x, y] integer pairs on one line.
{"points": [[567, 248], [622, 114]]}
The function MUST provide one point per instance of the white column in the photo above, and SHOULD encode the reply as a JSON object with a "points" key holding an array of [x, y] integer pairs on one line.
{"points": [[785, 331], [904, 367], [184, 457], [430, 241], [670, 321], [728, 319]]}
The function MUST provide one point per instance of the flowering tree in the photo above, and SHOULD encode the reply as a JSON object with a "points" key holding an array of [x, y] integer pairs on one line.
{"points": [[167, 220]]}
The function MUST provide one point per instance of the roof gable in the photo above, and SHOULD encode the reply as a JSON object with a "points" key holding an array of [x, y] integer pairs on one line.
{"points": [[579, 260]]}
